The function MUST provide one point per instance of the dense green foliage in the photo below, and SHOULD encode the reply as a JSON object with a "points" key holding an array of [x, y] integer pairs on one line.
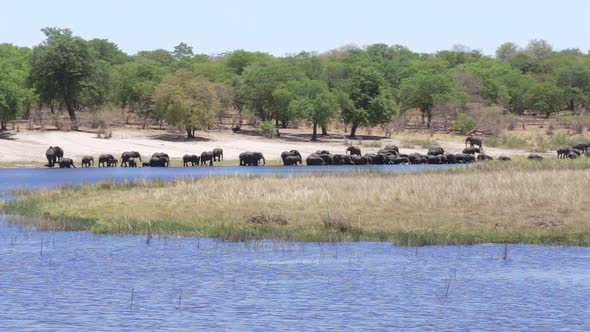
{"points": [[356, 86]]}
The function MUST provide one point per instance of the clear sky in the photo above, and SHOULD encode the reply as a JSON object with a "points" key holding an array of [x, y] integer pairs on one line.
{"points": [[282, 27]]}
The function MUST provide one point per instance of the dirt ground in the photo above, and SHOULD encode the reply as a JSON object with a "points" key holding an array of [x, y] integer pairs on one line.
{"points": [[30, 146]]}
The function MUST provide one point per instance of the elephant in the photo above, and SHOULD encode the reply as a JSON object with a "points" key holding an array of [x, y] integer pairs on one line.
{"points": [[563, 152], [341, 159], [369, 157], [190, 158], [504, 158], [576, 151], [131, 162], [471, 150], [387, 152], [360, 160], [573, 155], [484, 157], [161, 155], [159, 162], [587, 154], [474, 140], [125, 156], [397, 160], [435, 151], [207, 156], [106, 160], [354, 150], [292, 157], [113, 162], [51, 158], [217, 154], [323, 152], [144, 164], [533, 156], [66, 163], [465, 158], [378, 159], [87, 161], [251, 158], [451, 158], [581, 146], [328, 158], [314, 159], [291, 161], [417, 158], [53, 155], [437, 160], [391, 147]]}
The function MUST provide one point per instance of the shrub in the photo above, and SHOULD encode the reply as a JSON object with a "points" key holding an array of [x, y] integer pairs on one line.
{"points": [[463, 125], [267, 128]]}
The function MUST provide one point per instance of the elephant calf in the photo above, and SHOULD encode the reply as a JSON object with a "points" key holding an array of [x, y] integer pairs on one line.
{"points": [[87, 161], [193, 159], [66, 163], [353, 150]]}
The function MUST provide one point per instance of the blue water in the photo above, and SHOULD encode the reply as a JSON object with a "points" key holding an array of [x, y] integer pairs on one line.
{"points": [[83, 282], [76, 281]]}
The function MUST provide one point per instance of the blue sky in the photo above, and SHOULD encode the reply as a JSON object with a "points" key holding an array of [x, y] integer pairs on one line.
{"points": [[282, 27]]}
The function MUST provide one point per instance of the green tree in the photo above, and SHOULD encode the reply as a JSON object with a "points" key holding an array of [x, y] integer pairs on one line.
{"points": [[506, 52], [187, 101], [15, 97], [133, 84], [574, 78], [545, 98], [366, 103], [61, 68], [313, 101], [426, 89], [257, 84]]}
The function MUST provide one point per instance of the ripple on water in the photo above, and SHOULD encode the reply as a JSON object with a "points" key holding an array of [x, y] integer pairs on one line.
{"points": [[77, 280]]}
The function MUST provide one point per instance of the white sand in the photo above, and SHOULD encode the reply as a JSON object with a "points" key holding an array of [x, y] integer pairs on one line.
{"points": [[31, 145]]}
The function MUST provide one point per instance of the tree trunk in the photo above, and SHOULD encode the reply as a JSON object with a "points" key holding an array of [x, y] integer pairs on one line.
{"points": [[429, 117], [3, 125], [324, 131], [353, 130], [190, 133], [572, 105], [72, 114], [314, 136]]}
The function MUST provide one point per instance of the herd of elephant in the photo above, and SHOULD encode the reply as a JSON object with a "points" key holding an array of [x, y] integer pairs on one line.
{"points": [[389, 155], [55, 156], [574, 151]]}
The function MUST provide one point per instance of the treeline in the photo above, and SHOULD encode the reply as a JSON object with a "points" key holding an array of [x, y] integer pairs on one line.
{"points": [[357, 86]]}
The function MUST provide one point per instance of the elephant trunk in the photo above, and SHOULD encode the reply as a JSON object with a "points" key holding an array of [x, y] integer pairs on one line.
{"points": [[263, 160]]}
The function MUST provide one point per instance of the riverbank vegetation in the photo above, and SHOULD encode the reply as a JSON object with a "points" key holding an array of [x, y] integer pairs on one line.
{"points": [[351, 86], [523, 201]]}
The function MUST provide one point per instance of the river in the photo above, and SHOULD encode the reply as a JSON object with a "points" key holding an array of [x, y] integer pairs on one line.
{"points": [[81, 281]]}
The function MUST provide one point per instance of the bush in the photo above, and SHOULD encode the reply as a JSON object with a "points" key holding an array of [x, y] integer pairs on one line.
{"points": [[267, 128], [463, 125]]}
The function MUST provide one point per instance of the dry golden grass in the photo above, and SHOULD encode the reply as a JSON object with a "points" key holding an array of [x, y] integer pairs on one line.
{"points": [[507, 204]]}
